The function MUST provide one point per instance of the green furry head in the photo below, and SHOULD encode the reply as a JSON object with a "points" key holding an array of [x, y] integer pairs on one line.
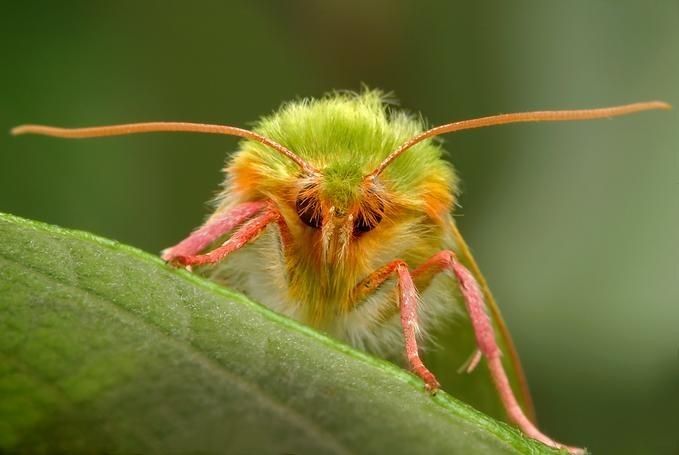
{"points": [[346, 136]]}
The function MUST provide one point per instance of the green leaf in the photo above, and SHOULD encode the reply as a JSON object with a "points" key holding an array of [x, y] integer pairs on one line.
{"points": [[104, 348]]}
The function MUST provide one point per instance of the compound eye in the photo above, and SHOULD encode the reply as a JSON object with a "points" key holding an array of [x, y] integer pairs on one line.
{"points": [[308, 209], [367, 219]]}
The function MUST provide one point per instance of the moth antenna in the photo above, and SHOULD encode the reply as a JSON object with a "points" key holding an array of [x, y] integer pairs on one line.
{"points": [[537, 116], [153, 127]]}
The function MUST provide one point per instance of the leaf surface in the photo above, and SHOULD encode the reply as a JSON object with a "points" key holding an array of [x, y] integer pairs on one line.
{"points": [[104, 348]]}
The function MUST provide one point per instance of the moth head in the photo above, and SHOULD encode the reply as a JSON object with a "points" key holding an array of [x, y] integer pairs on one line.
{"points": [[341, 205]]}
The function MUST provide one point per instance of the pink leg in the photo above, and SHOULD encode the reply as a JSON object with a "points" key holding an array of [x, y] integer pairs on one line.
{"points": [[485, 339], [408, 301], [213, 229], [246, 233]]}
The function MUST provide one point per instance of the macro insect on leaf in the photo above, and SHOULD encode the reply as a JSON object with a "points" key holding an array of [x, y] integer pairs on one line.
{"points": [[338, 212]]}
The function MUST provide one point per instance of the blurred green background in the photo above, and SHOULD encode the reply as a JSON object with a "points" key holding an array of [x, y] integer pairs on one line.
{"points": [[574, 225]]}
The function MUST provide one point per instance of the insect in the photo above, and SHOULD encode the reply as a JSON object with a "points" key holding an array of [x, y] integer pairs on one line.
{"points": [[338, 212]]}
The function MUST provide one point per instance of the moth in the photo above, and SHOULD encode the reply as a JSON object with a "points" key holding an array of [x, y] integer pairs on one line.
{"points": [[337, 212]]}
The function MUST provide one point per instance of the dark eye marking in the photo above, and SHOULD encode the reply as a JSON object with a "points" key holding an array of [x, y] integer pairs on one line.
{"points": [[308, 208], [368, 218]]}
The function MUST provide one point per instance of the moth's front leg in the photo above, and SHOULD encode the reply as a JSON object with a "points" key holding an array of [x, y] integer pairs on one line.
{"points": [[243, 235], [214, 228], [408, 302]]}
